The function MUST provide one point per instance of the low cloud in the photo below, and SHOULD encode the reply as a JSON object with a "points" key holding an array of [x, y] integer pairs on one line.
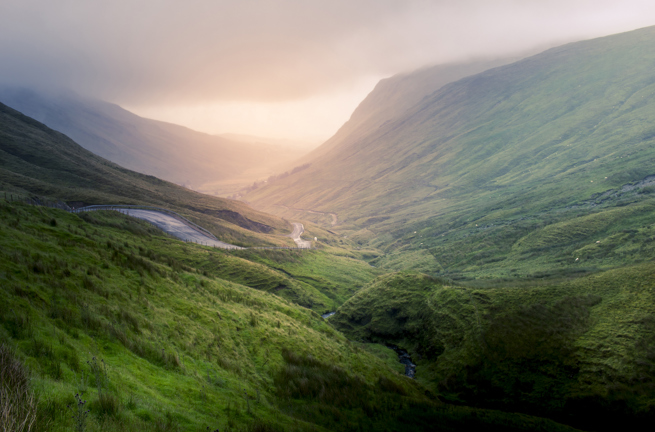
{"points": [[170, 52]]}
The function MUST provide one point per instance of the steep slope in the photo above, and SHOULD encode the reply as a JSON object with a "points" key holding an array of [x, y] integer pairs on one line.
{"points": [[539, 140], [393, 96], [171, 152], [35, 159], [578, 351], [389, 100]]}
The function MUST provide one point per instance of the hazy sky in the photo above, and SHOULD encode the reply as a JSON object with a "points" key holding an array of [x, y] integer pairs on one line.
{"points": [[278, 68]]}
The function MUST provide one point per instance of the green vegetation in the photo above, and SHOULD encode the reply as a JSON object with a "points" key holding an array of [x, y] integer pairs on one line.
{"points": [[208, 163], [579, 351], [334, 276], [35, 160], [524, 194], [121, 318], [540, 148], [549, 245], [149, 335]]}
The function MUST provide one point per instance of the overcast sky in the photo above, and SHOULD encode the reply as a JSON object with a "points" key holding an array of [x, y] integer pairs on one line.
{"points": [[280, 68]]}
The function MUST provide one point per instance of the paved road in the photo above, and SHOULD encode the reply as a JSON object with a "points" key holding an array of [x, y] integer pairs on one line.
{"points": [[185, 230], [298, 229], [335, 218], [177, 228]]}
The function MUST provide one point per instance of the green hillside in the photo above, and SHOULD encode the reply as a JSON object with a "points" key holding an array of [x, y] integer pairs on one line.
{"points": [[578, 351], [541, 148], [524, 194], [393, 96], [35, 160], [153, 336], [167, 151]]}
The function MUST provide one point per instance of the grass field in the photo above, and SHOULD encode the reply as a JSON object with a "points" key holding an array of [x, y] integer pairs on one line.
{"points": [[501, 231]]}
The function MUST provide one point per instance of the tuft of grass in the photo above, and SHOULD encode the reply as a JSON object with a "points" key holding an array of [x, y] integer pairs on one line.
{"points": [[18, 404], [305, 377], [107, 404]]}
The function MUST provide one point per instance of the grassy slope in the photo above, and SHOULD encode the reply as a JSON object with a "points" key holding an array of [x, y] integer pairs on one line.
{"points": [[43, 161], [392, 97], [140, 323], [513, 149], [37, 160], [165, 150], [579, 350]]}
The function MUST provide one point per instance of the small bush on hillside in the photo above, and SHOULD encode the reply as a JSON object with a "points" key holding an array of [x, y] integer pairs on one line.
{"points": [[107, 404]]}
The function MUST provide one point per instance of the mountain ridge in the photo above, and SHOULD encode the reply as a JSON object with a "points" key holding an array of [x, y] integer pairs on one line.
{"points": [[165, 150], [394, 95], [458, 114], [41, 161]]}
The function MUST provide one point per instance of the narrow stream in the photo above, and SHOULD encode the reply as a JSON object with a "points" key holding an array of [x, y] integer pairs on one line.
{"points": [[403, 355], [404, 358]]}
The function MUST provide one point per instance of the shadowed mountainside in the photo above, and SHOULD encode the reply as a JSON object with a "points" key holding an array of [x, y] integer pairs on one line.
{"points": [[578, 351], [38, 160], [168, 151]]}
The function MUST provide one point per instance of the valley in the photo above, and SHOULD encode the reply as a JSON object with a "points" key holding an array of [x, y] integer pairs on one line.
{"points": [[473, 249], [167, 151]]}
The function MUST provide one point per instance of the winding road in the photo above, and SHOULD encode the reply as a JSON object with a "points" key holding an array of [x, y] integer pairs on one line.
{"points": [[177, 228], [334, 216], [188, 231], [298, 229]]}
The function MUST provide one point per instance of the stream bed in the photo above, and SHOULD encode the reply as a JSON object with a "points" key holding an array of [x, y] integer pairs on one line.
{"points": [[403, 355], [404, 358]]}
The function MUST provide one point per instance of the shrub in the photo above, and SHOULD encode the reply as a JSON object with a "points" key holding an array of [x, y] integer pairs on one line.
{"points": [[107, 404]]}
